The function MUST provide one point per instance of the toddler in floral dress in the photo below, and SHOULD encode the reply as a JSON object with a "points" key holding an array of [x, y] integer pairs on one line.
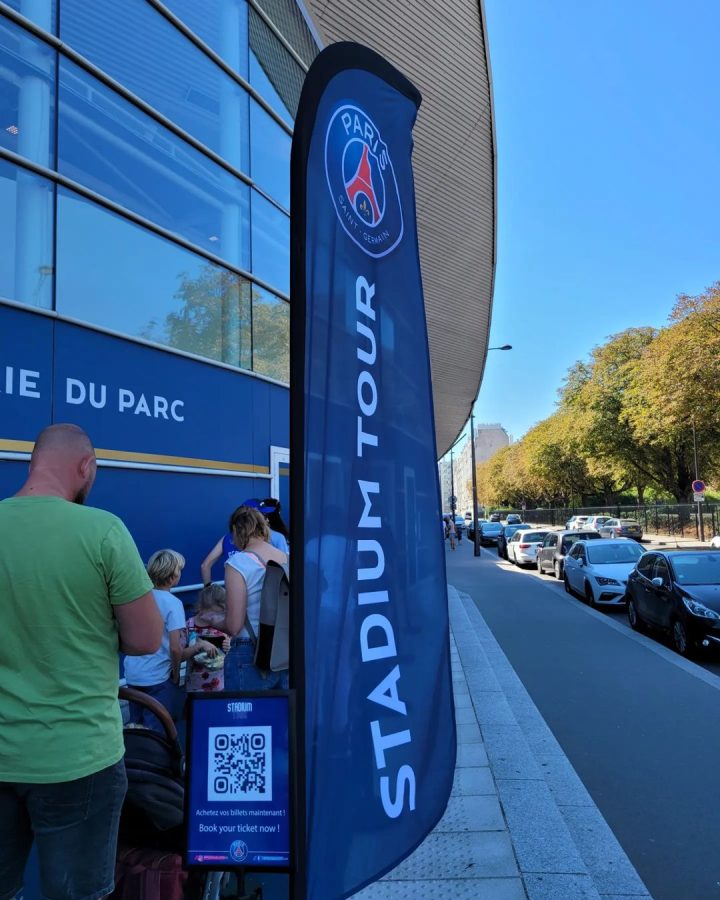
{"points": [[208, 624]]}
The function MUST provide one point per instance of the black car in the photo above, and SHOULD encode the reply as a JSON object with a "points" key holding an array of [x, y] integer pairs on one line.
{"points": [[471, 528], [489, 533], [495, 517], [505, 535], [677, 591]]}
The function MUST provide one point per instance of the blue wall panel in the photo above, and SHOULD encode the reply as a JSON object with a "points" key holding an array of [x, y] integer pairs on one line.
{"points": [[220, 415], [25, 372]]}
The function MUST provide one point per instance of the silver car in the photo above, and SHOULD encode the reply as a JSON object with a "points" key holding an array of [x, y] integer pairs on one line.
{"points": [[598, 570], [597, 521], [615, 528]]}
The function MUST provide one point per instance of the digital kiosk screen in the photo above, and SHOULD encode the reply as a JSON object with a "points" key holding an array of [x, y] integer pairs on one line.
{"points": [[238, 781]]}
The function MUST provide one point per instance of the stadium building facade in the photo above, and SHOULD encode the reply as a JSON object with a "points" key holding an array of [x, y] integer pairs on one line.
{"points": [[144, 278]]}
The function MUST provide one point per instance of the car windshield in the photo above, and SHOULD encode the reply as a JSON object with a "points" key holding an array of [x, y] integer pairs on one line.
{"points": [[697, 568], [534, 536], [611, 554], [631, 522], [570, 539], [495, 527]]}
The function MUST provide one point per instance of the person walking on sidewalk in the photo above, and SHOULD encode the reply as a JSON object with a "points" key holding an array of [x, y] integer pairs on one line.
{"points": [[71, 584], [452, 533]]}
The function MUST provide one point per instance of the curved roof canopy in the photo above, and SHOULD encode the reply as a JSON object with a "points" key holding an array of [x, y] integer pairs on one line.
{"points": [[442, 48]]}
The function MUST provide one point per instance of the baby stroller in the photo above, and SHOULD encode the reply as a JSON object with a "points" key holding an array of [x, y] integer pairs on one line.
{"points": [[151, 836]]}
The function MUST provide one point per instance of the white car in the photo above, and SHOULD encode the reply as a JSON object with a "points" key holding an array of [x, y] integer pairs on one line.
{"points": [[715, 542], [598, 570], [523, 546], [596, 522], [575, 522]]}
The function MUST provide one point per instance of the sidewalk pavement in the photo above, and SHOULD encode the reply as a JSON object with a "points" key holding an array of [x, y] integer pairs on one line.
{"points": [[520, 824], [669, 540]]}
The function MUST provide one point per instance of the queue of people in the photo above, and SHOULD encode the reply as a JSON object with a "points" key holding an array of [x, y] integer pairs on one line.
{"points": [[218, 641], [69, 605]]}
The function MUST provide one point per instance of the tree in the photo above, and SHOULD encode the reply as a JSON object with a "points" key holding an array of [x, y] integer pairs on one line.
{"points": [[675, 383], [595, 396], [220, 316]]}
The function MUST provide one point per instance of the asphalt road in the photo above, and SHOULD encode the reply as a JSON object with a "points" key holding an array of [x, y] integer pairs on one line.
{"points": [[640, 725]]}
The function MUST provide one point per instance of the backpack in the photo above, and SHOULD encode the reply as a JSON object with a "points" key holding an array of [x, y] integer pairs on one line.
{"points": [[272, 642]]}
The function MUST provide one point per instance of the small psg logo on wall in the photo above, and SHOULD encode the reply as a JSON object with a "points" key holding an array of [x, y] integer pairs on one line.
{"points": [[362, 182]]}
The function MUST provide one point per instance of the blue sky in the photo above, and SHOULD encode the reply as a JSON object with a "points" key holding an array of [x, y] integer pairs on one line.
{"points": [[608, 139]]}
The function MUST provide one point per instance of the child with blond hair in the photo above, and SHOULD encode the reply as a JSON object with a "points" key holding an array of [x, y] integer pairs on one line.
{"points": [[156, 674]]}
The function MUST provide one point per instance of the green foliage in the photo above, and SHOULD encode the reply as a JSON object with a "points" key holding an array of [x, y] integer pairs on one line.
{"points": [[625, 419]]}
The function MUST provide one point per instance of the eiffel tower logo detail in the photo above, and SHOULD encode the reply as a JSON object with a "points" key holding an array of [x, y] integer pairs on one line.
{"points": [[361, 183]]}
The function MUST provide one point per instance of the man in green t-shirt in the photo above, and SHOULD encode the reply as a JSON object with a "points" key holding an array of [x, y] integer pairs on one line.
{"points": [[73, 590]]}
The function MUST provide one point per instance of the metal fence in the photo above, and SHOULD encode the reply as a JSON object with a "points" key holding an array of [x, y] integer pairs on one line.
{"points": [[679, 520]]}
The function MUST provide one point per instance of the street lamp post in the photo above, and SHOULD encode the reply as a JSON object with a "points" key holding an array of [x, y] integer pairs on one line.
{"points": [[476, 529], [701, 523], [452, 485]]}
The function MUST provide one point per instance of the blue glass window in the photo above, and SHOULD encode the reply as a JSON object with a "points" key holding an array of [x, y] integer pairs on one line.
{"points": [[270, 243], [271, 335], [269, 155], [26, 236], [41, 12], [123, 154], [221, 24], [27, 94], [120, 276], [274, 73], [264, 87], [132, 42]]}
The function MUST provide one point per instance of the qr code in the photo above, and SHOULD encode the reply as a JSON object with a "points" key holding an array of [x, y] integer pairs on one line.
{"points": [[240, 763]]}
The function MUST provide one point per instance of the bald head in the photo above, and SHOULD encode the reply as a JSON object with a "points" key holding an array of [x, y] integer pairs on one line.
{"points": [[62, 464], [65, 439]]}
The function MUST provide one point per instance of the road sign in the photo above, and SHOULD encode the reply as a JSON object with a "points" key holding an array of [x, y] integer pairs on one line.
{"points": [[698, 486], [452, 499], [699, 497]]}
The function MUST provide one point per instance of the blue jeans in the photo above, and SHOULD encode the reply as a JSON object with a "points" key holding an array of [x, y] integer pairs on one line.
{"points": [[241, 673], [169, 694], [74, 825]]}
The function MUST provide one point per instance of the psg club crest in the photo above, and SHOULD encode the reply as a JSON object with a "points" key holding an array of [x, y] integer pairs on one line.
{"points": [[362, 181]]}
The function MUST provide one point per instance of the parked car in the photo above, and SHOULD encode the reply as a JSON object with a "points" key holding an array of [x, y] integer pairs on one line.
{"points": [[468, 515], [495, 517], [505, 535], [677, 591], [621, 528], [551, 554], [513, 519], [575, 522], [596, 521], [471, 528], [489, 533], [599, 570], [523, 545], [715, 542]]}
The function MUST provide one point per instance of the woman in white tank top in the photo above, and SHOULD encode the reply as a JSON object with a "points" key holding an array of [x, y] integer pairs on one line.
{"points": [[244, 577]]}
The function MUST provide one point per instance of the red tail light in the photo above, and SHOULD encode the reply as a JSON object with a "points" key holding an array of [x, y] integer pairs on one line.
{"points": [[524, 546]]}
